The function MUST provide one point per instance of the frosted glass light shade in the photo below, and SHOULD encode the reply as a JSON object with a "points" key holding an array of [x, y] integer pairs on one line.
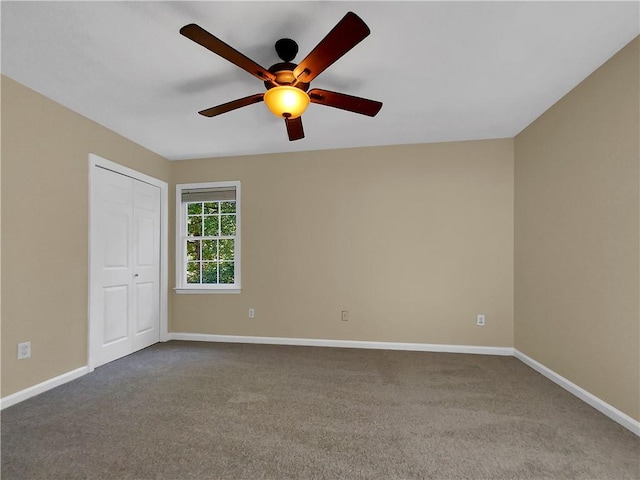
{"points": [[286, 102]]}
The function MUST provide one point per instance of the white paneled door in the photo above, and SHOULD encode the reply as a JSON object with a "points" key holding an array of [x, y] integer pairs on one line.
{"points": [[125, 266]]}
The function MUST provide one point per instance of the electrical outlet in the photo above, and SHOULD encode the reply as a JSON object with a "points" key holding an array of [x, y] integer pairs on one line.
{"points": [[480, 320], [345, 316], [252, 313], [24, 350]]}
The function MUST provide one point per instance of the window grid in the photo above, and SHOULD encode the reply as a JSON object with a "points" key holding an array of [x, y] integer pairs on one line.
{"points": [[210, 242]]}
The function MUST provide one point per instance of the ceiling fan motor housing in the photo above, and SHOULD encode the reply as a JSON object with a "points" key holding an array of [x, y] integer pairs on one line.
{"points": [[284, 76]]}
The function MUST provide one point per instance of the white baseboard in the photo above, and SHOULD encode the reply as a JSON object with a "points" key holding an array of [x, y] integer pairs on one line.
{"points": [[315, 342], [600, 405], [42, 387]]}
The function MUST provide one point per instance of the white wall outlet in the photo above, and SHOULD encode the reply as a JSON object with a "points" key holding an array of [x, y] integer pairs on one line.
{"points": [[252, 313], [24, 350], [480, 320], [345, 316]]}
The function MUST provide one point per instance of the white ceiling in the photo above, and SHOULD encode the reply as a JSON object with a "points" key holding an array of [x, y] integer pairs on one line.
{"points": [[445, 71]]}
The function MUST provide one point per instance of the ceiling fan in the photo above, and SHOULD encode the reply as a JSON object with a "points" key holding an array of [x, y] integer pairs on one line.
{"points": [[287, 83]]}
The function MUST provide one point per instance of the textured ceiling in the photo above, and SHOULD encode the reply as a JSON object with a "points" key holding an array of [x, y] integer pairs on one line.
{"points": [[445, 70]]}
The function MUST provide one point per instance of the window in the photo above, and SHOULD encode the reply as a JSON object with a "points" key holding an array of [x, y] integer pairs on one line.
{"points": [[208, 243]]}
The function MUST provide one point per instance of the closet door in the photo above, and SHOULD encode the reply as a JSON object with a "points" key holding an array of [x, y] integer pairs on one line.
{"points": [[125, 239], [146, 265]]}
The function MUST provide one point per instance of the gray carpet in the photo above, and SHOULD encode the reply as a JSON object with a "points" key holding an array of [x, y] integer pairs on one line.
{"points": [[184, 410]]}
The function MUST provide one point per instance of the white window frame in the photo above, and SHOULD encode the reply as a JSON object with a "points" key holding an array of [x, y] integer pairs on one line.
{"points": [[182, 287]]}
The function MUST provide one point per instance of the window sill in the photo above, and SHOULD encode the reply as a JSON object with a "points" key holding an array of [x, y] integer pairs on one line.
{"points": [[191, 291]]}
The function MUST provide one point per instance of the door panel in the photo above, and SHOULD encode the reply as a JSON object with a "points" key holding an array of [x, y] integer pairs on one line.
{"points": [[144, 254], [116, 240], [116, 314], [144, 315]]}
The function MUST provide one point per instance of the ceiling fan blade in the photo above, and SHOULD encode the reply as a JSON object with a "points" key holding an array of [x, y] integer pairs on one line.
{"points": [[349, 31], [353, 104], [227, 107], [217, 46], [294, 128]]}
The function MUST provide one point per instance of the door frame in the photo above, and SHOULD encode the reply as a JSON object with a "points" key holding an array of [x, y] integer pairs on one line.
{"points": [[96, 161]]}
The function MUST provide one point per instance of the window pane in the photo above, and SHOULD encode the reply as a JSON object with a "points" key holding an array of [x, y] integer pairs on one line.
{"points": [[193, 250], [209, 249], [210, 207], [194, 226], [226, 272], [193, 272], [228, 207], [226, 249], [193, 208], [209, 272], [211, 226], [228, 225]]}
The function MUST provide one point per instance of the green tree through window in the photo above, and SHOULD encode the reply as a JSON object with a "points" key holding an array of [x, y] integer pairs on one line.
{"points": [[211, 228]]}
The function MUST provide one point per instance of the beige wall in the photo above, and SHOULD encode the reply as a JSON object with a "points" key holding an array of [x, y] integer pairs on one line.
{"points": [[45, 150], [577, 235], [412, 240]]}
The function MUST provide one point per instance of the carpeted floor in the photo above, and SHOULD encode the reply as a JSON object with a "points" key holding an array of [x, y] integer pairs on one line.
{"points": [[184, 410]]}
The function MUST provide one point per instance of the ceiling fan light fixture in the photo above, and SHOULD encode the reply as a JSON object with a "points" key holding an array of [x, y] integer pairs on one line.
{"points": [[286, 101]]}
